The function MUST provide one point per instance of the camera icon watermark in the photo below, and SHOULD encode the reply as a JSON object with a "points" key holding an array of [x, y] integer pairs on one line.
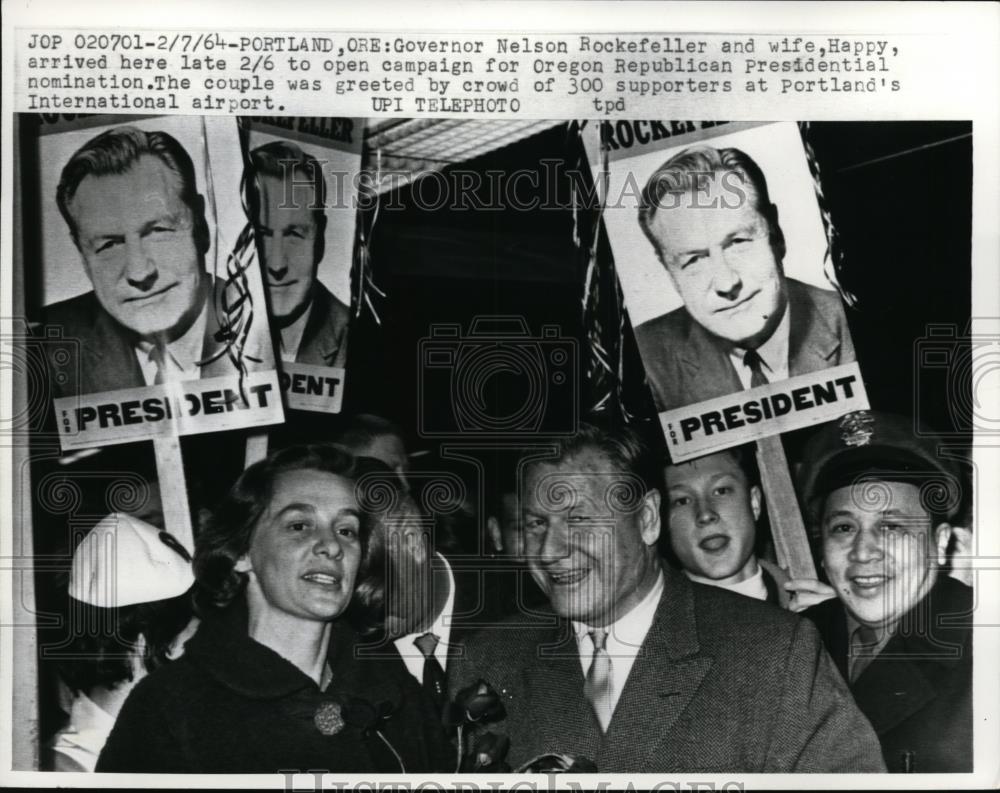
{"points": [[41, 366], [962, 369], [497, 381]]}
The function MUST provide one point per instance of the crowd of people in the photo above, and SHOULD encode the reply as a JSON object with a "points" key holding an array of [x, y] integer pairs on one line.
{"points": [[600, 601], [329, 618]]}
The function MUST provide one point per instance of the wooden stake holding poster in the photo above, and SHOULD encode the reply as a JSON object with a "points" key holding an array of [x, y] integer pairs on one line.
{"points": [[791, 543], [256, 449], [173, 491]]}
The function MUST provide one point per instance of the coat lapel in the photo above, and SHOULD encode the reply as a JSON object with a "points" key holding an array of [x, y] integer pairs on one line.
{"points": [[562, 717], [666, 675], [707, 372], [111, 363], [812, 343], [325, 334], [893, 689]]}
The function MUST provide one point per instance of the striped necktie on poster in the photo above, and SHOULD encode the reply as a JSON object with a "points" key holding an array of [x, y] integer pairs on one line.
{"points": [[755, 364]]}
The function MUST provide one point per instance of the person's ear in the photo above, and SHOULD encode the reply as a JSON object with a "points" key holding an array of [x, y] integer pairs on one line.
{"points": [[649, 517], [493, 527], [243, 564], [777, 235], [942, 538], [319, 244], [201, 235], [756, 501]]}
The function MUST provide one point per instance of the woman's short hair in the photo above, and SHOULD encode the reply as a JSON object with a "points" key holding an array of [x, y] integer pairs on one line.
{"points": [[227, 534], [100, 652]]}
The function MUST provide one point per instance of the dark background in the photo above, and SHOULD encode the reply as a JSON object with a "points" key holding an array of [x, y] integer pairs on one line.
{"points": [[899, 194]]}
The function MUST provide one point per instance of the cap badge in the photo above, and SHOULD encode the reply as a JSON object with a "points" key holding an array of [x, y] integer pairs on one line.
{"points": [[856, 429]]}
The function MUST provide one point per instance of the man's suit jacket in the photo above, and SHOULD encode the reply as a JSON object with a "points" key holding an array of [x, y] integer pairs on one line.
{"points": [[918, 691], [107, 349], [324, 340], [723, 683], [686, 364]]}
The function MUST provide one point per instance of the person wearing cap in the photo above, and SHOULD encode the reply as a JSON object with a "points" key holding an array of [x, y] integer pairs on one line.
{"points": [[129, 615], [881, 501], [714, 503], [272, 680]]}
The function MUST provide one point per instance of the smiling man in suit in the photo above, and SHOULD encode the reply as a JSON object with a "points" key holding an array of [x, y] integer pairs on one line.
{"points": [[131, 202], [709, 217], [640, 669], [882, 502]]}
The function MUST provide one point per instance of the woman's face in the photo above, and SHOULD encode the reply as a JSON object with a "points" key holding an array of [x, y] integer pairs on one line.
{"points": [[306, 548]]}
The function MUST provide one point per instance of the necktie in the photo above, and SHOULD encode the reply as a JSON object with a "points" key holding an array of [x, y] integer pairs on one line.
{"points": [[754, 363], [597, 687], [863, 643], [158, 356], [434, 676]]}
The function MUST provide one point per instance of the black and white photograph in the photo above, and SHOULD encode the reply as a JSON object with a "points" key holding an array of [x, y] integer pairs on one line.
{"points": [[725, 267], [485, 399], [146, 271]]}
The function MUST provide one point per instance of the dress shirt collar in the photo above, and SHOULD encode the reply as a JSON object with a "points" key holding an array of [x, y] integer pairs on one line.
{"points": [[628, 632], [753, 587], [773, 354], [441, 627], [882, 632], [82, 739], [291, 337]]}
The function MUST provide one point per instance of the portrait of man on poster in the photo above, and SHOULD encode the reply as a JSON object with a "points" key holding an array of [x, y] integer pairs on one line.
{"points": [[288, 191], [132, 207], [708, 214]]}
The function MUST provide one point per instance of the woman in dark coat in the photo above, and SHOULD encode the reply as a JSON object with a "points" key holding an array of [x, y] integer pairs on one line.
{"points": [[271, 682]]}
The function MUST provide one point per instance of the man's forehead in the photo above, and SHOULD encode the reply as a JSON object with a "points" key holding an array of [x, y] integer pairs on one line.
{"points": [[685, 226], [588, 477], [293, 191], [589, 461], [149, 186], [875, 497], [716, 464]]}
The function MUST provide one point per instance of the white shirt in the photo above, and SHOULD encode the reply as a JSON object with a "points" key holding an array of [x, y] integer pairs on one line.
{"points": [[80, 742], [753, 587], [773, 354], [291, 337], [181, 355], [625, 638], [412, 657]]}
